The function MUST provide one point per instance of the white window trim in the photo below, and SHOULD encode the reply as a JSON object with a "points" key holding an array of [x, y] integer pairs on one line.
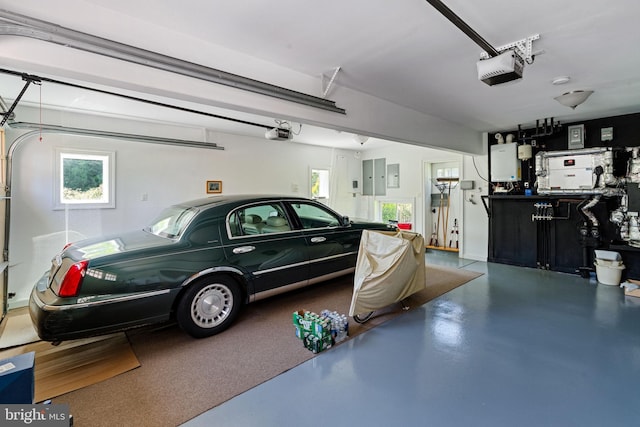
{"points": [[398, 200], [328, 188], [109, 184]]}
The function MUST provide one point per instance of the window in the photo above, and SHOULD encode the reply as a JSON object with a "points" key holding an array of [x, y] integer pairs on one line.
{"points": [[171, 222], [400, 213], [84, 179], [312, 216], [258, 219], [319, 183]]}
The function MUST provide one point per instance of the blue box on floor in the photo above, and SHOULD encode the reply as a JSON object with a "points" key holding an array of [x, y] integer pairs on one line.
{"points": [[17, 379]]}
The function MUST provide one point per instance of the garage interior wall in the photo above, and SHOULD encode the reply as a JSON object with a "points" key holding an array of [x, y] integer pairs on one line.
{"points": [[150, 177]]}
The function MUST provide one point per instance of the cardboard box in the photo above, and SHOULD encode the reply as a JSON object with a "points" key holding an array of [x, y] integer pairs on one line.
{"points": [[17, 379], [633, 292]]}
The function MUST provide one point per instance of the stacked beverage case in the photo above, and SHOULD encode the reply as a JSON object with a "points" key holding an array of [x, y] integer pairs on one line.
{"points": [[319, 332]]}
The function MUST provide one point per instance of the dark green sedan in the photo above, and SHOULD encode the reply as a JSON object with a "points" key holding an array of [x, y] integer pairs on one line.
{"points": [[198, 262]]}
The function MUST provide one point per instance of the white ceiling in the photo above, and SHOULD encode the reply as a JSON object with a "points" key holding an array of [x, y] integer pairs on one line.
{"points": [[403, 51]]}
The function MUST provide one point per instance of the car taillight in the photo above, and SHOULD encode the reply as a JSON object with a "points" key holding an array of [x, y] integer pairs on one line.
{"points": [[73, 279]]}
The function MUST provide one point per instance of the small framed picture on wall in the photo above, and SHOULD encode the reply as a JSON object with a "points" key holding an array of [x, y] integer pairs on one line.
{"points": [[214, 187]]}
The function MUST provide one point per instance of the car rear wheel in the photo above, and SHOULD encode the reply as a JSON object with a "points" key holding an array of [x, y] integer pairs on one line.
{"points": [[209, 306]]}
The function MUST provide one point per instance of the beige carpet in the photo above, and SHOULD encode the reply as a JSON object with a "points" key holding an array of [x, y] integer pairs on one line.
{"points": [[17, 329], [76, 364], [181, 377]]}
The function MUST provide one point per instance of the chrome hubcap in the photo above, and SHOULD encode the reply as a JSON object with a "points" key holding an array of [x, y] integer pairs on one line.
{"points": [[211, 306]]}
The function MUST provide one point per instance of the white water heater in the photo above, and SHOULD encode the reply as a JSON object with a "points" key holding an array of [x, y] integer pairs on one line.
{"points": [[505, 166]]}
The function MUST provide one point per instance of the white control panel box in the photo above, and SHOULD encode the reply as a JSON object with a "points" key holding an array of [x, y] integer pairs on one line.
{"points": [[571, 172], [505, 166]]}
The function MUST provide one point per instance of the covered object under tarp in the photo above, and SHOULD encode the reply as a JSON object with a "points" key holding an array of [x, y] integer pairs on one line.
{"points": [[390, 267]]}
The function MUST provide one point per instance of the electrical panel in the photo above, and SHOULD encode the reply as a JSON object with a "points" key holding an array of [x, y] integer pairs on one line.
{"points": [[374, 177], [576, 137], [505, 166]]}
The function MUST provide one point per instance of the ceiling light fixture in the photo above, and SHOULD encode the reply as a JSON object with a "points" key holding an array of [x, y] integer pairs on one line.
{"points": [[560, 80], [360, 139], [574, 98]]}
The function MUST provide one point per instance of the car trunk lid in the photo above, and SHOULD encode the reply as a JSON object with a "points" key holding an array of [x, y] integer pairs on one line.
{"points": [[69, 267]]}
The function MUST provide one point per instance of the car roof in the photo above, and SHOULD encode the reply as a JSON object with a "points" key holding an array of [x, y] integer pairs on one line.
{"points": [[207, 202]]}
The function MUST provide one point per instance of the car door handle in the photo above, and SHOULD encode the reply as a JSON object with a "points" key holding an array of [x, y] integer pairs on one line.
{"points": [[318, 239], [243, 249]]}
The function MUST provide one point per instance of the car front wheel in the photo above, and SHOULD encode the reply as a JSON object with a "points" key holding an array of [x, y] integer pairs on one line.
{"points": [[209, 306]]}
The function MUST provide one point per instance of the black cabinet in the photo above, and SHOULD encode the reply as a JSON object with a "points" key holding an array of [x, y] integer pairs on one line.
{"points": [[512, 234], [557, 240]]}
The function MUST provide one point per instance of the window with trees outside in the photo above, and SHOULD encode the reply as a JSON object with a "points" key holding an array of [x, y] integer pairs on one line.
{"points": [[84, 179], [401, 213], [320, 183]]}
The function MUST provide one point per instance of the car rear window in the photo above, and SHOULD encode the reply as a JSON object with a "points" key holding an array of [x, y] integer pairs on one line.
{"points": [[171, 222]]}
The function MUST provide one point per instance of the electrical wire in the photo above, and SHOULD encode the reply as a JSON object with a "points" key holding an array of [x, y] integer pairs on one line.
{"points": [[473, 159]]}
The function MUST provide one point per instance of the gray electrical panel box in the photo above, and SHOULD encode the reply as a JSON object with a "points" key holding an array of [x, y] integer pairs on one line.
{"points": [[367, 177], [467, 185], [576, 137], [505, 166], [374, 177]]}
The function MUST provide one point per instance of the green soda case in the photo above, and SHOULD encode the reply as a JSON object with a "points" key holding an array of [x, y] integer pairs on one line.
{"points": [[297, 315], [301, 333], [314, 330], [317, 344], [294, 317]]}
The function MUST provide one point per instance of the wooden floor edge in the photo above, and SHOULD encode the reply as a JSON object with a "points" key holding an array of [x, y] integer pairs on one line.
{"points": [[443, 248]]}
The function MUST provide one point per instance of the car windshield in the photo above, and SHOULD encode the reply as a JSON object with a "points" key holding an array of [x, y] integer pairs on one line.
{"points": [[171, 222]]}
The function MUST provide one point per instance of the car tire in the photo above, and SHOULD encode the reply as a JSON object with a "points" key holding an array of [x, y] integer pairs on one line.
{"points": [[209, 306]]}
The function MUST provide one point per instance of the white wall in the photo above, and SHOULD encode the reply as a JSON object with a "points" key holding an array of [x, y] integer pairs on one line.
{"points": [[414, 185], [475, 228]]}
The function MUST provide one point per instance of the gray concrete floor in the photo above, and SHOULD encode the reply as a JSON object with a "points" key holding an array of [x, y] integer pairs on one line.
{"points": [[514, 347]]}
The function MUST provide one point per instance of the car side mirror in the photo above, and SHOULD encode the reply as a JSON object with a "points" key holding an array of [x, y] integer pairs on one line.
{"points": [[345, 221]]}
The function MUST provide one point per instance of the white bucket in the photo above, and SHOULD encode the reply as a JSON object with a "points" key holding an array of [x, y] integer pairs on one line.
{"points": [[608, 274]]}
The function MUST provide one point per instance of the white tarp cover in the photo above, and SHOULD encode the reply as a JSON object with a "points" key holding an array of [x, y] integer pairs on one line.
{"points": [[390, 267]]}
